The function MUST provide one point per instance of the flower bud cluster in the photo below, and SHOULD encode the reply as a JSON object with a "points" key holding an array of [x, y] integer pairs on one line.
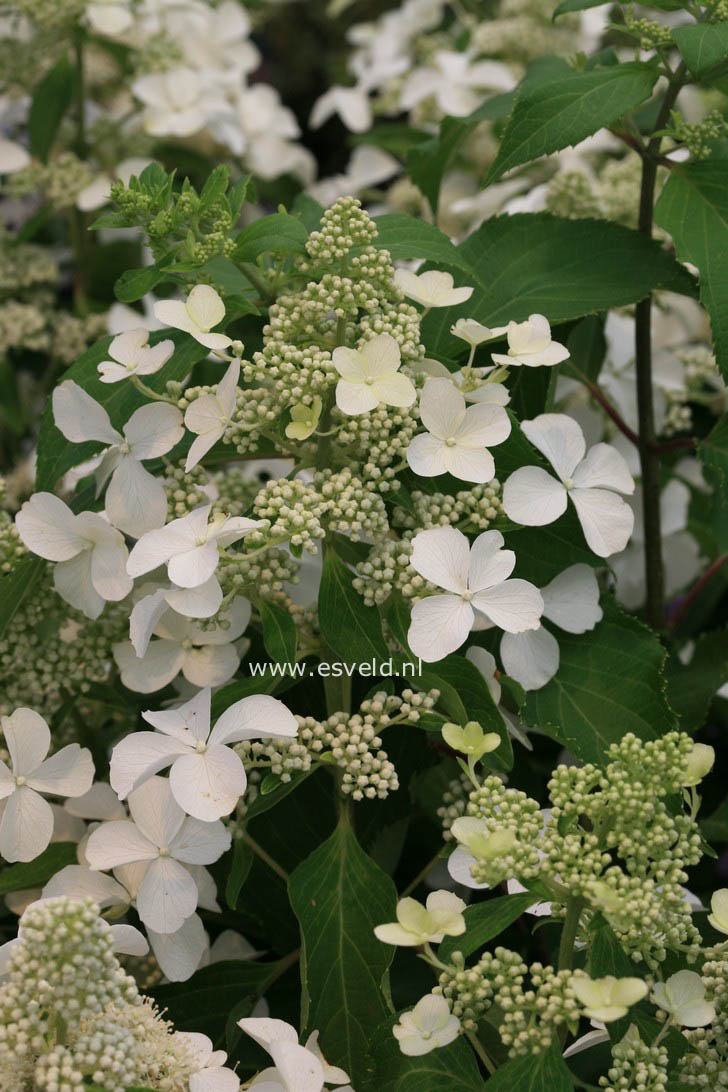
{"points": [[378, 441], [531, 1016], [60, 180], [635, 1065], [354, 746], [506, 809], [454, 804], [471, 991], [706, 1066], [388, 569], [469, 509]]}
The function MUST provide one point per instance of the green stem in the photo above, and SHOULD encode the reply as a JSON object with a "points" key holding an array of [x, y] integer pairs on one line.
{"points": [[155, 395], [568, 933], [420, 876], [258, 280], [649, 457], [265, 856], [478, 1048]]}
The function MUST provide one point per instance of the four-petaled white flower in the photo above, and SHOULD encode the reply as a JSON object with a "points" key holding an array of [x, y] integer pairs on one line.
{"points": [[682, 996], [719, 906], [454, 80], [473, 383], [570, 601], [457, 438], [429, 1025], [210, 414], [431, 289], [530, 344], [370, 376], [196, 315], [91, 555], [207, 777], [135, 499], [302, 1068], [473, 332], [178, 102], [609, 998], [350, 103], [212, 1075], [416, 924], [109, 16], [189, 546], [205, 655], [26, 820], [478, 587], [163, 840], [591, 478], [131, 354]]}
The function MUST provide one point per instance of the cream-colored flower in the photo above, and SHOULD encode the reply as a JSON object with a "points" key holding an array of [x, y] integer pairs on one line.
{"points": [[607, 998], [417, 924]]}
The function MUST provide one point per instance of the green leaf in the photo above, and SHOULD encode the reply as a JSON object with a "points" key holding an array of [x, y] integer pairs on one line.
{"points": [[704, 48], [338, 895], [265, 801], [693, 207], [16, 586], [545, 1072], [36, 873], [406, 237], [606, 954], [485, 921], [713, 451], [448, 1069], [55, 454], [242, 862], [51, 99], [582, 5], [280, 233], [352, 630], [135, 283], [691, 687], [564, 269], [555, 115], [228, 279], [215, 186], [279, 632], [609, 683]]}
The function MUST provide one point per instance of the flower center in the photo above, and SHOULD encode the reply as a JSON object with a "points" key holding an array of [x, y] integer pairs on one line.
{"points": [[450, 442], [187, 644], [164, 851], [568, 483], [369, 380], [467, 596], [426, 1034], [200, 747], [20, 781]]}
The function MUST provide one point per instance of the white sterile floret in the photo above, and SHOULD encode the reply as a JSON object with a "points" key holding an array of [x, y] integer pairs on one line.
{"points": [[110, 17], [473, 333], [210, 414], [197, 315], [13, 157], [207, 777], [592, 479], [719, 905], [431, 289], [26, 819], [189, 546], [179, 102], [682, 997], [296, 1067], [457, 437], [91, 555], [212, 1075], [131, 354], [135, 499], [429, 1025], [370, 377], [530, 344], [699, 764], [478, 588], [162, 839], [473, 383], [609, 998], [350, 103], [205, 654], [571, 601], [416, 924]]}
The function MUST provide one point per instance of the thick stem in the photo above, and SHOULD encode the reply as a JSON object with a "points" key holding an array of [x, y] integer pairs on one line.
{"points": [[265, 856], [478, 1048], [568, 933], [649, 456]]}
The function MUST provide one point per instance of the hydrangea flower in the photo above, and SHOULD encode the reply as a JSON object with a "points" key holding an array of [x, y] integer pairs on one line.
{"points": [[213, 1075], [109, 16], [530, 344], [162, 839], [682, 996], [719, 905], [90, 554], [571, 601], [609, 998], [207, 777], [302, 1068], [457, 438], [473, 383], [416, 924], [210, 414], [197, 315], [477, 586], [26, 822], [370, 376], [592, 479], [179, 103], [431, 289], [135, 499], [131, 354], [454, 80], [429, 1025]]}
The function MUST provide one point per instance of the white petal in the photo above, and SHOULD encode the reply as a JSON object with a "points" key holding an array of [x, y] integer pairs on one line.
{"points": [[174, 313], [211, 665], [143, 620], [194, 567], [118, 842], [215, 1079], [28, 740], [79, 882], [531, 658], [442, 555], [442, 407], [532, 497], [13, 157], [128, 940], [354, 398], [604, 467], [440, 624], [125, 348], [108, 569], [571, 600], [202, 444], [299, 1068], [469, 465], [72, 581], [26, 826], [48, 527], [155, 812], [200, 602], [167, 896], [179, 536], [514, 605], [605, 519], [266, 1030], [69, 772], [459, 864], [426, 455], [237, 616], [80, 417], [153, 430], [259, 716], [489, 563], [205, 307], [138, 757], [484, 425], [153, 357], [394, 390], [200, 843], [208, 786], [192, 719], [135, 500], [161, 663], [178, 954], [559, 438]]}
